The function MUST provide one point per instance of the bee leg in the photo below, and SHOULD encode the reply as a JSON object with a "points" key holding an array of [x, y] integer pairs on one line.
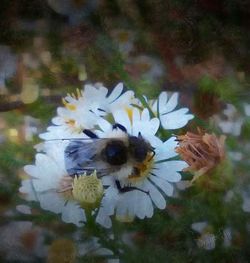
{"points": [[102, 110], [153, 155], [90, 134], [119, 126], [128, 188]]}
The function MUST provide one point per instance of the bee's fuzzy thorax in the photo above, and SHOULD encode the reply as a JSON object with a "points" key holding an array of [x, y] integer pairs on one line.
{"points": [[118, 134]]}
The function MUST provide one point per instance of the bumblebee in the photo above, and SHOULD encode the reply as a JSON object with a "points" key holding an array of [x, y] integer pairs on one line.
{"points": [[108, 156]]}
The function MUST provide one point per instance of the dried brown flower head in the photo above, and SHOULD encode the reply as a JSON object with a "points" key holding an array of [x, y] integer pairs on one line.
{"points": [[202, 151]]}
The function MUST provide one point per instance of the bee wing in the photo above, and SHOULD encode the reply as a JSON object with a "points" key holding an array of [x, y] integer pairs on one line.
{"points": [[85, 156]]}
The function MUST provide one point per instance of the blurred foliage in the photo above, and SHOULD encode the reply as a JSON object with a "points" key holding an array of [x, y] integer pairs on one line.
{"points": [[204, 49]]}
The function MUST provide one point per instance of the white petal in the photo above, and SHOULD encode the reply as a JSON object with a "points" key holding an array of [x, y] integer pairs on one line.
{"points": [[136, 116], [115, 93], [59, 132], [148, 207], [154, 125], [162, 101], [55, 151], [155, 195], [144, 207], [109, 200], [124, 100], [122, 118], [46, 173], [131, 200], [28, 189], [103, 219], [145, 115], [122, 205], [171, 104], [145, 127], [154, 140], [72, 213], [166, 187], [176, 119], [166, 150], [62, 111], [30, 170], [169, 170], [91, 92], [51, 201], [104, 125], [58, 121], [107, 180], [137, 204]]}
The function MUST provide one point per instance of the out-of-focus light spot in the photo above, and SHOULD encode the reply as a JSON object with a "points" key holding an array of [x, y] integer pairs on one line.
{"points": [[13, 133], [54, 68], [62, 250], [30, 61], [30, 91], [30, 127], [46, 57], [82, 75]]}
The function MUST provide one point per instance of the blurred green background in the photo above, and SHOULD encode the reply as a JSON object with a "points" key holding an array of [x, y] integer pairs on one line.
{"points": [[201, 48]]}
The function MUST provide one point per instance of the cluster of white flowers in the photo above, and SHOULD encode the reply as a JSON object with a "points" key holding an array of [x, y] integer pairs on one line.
{"points": [[207, 239], [121, 193]]}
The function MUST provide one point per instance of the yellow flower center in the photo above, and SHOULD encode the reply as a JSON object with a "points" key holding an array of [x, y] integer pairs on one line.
{"points": [[71, 122], [87, 190], [130, 113], [141, 170], [76, 96]]}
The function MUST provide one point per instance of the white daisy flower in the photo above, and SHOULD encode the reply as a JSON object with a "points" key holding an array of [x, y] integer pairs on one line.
{"points": [[230, 121], [207, 239], [50, 185], [165, 109], [71, 175], [153, 177], [81, 111]]}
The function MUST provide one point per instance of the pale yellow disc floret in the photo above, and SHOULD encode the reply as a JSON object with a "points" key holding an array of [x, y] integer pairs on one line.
{"points": [[87, 189]]}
